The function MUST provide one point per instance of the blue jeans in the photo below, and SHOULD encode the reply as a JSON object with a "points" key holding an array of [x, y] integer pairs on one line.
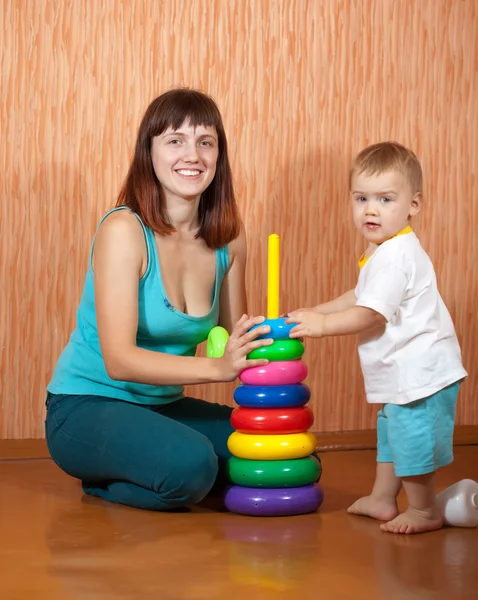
{"points": [[149, 457]]}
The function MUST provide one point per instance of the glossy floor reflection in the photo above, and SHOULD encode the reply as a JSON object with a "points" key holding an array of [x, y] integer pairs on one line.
{"points": [[56, 543]]}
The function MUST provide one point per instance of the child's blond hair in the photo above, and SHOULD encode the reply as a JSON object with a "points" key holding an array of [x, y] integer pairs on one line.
{"points": [[389, 156]]}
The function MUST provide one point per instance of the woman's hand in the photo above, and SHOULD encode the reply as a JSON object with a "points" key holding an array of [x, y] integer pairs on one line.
{"points": [[240, 343]]}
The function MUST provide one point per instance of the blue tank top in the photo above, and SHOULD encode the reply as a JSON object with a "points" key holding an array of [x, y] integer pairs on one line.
{"points": [[80, 370]]}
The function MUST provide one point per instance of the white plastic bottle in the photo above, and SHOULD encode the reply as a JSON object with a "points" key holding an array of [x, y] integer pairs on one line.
{"points": [[459, 504]]}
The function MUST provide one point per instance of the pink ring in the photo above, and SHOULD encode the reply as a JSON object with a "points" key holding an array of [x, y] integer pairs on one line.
{"points": [[280, 372]]}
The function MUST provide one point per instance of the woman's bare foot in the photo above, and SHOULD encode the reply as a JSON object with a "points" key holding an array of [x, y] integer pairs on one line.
{"points": [[382, 509], [414, 521]]}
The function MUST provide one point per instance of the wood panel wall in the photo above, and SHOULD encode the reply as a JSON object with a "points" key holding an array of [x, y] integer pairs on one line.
{"points": [[302, 85]]}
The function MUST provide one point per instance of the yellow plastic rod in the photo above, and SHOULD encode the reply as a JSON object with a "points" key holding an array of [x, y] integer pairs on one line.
{"points": [[273, 277]]}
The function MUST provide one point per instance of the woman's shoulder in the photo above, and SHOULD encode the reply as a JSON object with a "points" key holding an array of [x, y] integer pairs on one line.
{"points": [[120, 223], [119, 239], [120, 231]]}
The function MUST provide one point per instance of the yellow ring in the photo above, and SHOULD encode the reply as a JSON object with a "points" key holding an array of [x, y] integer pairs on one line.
{"points": [[271, 447]]}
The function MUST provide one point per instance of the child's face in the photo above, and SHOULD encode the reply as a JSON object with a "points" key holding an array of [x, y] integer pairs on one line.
{"points": [[382, 204]]}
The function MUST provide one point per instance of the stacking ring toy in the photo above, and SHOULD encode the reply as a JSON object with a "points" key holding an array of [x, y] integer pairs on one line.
{"points": [[264, 532], [216, 342], [279, 329], [273, 396], [282, 372], [272, 420], [271, 447], [275, 502], [273, 473], [279, 350]]}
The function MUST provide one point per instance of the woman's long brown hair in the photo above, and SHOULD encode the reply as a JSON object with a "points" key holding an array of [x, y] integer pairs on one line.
{"points": [[218, 215]]}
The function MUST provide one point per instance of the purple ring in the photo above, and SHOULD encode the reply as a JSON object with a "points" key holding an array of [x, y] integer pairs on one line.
{"points": [[277, 502]]}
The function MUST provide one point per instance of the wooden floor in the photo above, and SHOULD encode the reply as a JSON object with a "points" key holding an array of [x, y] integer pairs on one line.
{"points": [[55, 543]]}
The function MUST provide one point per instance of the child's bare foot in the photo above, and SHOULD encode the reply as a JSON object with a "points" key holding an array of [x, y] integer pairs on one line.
{"points": [[377, 508], [414, 521]]}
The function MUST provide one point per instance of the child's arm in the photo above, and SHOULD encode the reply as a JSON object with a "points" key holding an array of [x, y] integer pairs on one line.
{"points": [[352, 320], [339, 304], [378, 300]]}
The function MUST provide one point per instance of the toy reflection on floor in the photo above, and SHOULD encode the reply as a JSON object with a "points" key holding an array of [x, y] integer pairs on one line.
{"points": [[273, 468], [270, 556]]}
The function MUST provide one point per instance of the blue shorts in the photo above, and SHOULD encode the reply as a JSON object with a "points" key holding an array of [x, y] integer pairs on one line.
{"points": [[418, 437]]}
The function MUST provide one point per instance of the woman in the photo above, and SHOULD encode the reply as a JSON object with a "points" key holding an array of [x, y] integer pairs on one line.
{"points": [[167, 265]]}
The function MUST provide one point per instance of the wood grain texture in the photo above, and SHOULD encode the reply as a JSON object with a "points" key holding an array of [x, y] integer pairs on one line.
{"points": [[302, 85]]}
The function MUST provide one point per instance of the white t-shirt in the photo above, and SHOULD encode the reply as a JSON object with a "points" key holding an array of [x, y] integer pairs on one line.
{"points": [[416, 353]]}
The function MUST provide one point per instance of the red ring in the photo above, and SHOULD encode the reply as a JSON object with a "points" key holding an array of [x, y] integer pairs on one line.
{"points": [[272, 420]]}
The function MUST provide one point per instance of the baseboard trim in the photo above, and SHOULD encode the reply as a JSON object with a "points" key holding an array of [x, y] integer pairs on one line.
{"points": [[23, 449], [465, 435]]}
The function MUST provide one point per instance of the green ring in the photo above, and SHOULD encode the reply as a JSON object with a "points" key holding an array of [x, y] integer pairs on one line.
{"points": [[273, 473], [216, 342], [279, 350]]}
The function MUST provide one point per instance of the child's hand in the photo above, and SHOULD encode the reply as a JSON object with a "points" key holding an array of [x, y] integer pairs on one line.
{"points": [[302, 309], [309, 323]]}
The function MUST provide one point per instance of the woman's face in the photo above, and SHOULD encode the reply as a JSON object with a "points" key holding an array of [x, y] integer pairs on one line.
{"points": [[184, 160]]}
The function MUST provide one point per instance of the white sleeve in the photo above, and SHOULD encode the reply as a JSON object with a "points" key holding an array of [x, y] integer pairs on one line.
{"points": [[384, 289]]}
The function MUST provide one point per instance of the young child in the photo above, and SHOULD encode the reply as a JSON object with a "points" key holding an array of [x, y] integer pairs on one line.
{"points": [[409, 353]]}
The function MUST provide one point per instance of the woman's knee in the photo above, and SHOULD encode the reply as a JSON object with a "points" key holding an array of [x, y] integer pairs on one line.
{"points": [[191, 477]]}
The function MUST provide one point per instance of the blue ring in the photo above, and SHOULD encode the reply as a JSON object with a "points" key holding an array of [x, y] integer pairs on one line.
{"points": [[279, 329], [272, 396]]}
